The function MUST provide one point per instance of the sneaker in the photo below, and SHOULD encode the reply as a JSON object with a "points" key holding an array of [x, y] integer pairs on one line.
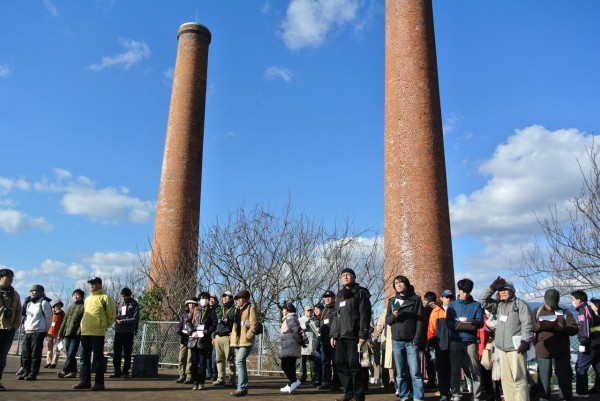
{"points": [[195, 386], [98, 387], [71, 375], [82, 386], [285, 389], [188, 381], [295, 385], [218, 382], [201, 387], [114, 375], [22, 376], [125, 375], [20, 371], [230, 383], [31, 377], [180, 380], [61, 374]]}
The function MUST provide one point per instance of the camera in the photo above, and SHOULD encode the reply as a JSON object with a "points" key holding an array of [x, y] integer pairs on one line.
{"points": [[8, 313]]}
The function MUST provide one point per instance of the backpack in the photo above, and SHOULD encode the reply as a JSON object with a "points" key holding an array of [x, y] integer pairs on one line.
{"points": [[259, 328], [301, 337]]}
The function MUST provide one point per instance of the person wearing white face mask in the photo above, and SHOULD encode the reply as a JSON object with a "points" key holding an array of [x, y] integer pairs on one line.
{"points": [[203, 322], [589, 354]]}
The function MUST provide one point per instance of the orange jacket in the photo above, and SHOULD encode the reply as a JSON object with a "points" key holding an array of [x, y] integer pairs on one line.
{"points": [[437, 313], [57, 319]]}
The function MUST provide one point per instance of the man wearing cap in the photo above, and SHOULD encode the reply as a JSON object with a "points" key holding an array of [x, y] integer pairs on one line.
{"points": [[463, 318], [10, 316], [99, 313], [512, 338], [57, 318], [438, 340], [225, 316], [553, 326], [126, 325], [38, 317], [185, 355], [242, 336], [308, 352], [330, 380], [351, 327]]}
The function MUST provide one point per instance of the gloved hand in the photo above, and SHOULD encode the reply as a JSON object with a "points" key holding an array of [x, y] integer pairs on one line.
{"points": [[559, 323], [431, 342], [498, 284], [523, 347], [419, 343]]}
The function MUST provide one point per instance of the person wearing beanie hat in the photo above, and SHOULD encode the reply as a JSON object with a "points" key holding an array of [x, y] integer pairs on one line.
{"points": [[290, 346], [512, 337], [352, 328], [330, 377], [38, 318], [57, 318], [553, 325], [184, 358]]}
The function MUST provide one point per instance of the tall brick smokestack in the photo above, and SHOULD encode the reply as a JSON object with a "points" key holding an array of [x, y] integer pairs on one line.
{"points": [[417, 224], [175, 242]]}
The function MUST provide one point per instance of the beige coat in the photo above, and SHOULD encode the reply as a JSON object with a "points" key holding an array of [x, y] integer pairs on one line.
{"points": [[249, 323], [388, 362]]}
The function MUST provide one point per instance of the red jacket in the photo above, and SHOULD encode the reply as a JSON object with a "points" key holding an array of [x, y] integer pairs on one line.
{"points": [[57, 319]]}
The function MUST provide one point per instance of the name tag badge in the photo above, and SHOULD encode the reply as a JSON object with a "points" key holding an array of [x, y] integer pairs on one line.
{"points": [[201, 334], [201, 327], [53, 324], [582, 348], [326, 321], [124, 310], [558, 313], [343, 303], [503, 318]]}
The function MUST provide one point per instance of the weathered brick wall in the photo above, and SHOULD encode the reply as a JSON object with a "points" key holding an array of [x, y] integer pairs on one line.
{"points": [[417, 223]]}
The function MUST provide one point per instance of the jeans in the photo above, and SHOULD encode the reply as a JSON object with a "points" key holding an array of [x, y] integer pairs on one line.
{"points": [[288, 365], [211, 366], [349, 369], [407, 351], [92, 345], [330, 375], [71, 346], [123, 346], [6, 339], [241, 353], [32, 352], [200, 359], [584, 361]]}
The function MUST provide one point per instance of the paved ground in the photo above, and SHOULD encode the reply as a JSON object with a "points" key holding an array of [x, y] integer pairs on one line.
{"points": [[49, 387]]}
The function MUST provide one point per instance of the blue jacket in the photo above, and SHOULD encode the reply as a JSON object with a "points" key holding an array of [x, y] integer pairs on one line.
{"points": [[469, 309]]}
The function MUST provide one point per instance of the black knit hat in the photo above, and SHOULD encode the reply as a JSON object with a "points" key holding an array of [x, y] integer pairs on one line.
{"points": [[349, 270]]}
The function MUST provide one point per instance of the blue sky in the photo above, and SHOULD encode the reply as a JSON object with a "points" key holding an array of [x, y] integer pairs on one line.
{"points": [[294, 109]]}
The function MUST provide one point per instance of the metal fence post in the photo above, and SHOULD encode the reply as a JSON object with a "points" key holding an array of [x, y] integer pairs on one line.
{"points": [[19, 340], [260, 353], [143, 342]]}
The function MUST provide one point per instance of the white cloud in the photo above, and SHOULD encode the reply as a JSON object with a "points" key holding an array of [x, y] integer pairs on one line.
{"points": [[4, 70], [8, 184], [451, 123], [113, 264], [169, 72], [107, 205], [534, 168], [307, 22], [51, 8], [274, 72], [136, 52], [13, 222]]}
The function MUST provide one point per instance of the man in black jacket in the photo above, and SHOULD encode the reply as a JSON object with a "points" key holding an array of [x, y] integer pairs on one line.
{"points": [[225, 314], [331, 380], [351, 327], [405, 317]]}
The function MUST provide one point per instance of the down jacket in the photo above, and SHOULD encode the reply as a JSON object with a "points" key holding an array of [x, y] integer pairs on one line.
{"points": [[71, 326], [353, 318], [290, 347]]}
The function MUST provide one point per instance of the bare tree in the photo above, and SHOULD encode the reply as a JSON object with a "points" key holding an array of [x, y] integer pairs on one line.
{"points": [[569, 257]]}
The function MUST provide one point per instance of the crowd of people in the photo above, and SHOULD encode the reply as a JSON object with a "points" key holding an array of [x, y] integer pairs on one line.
{"points": [[415, 344]]}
